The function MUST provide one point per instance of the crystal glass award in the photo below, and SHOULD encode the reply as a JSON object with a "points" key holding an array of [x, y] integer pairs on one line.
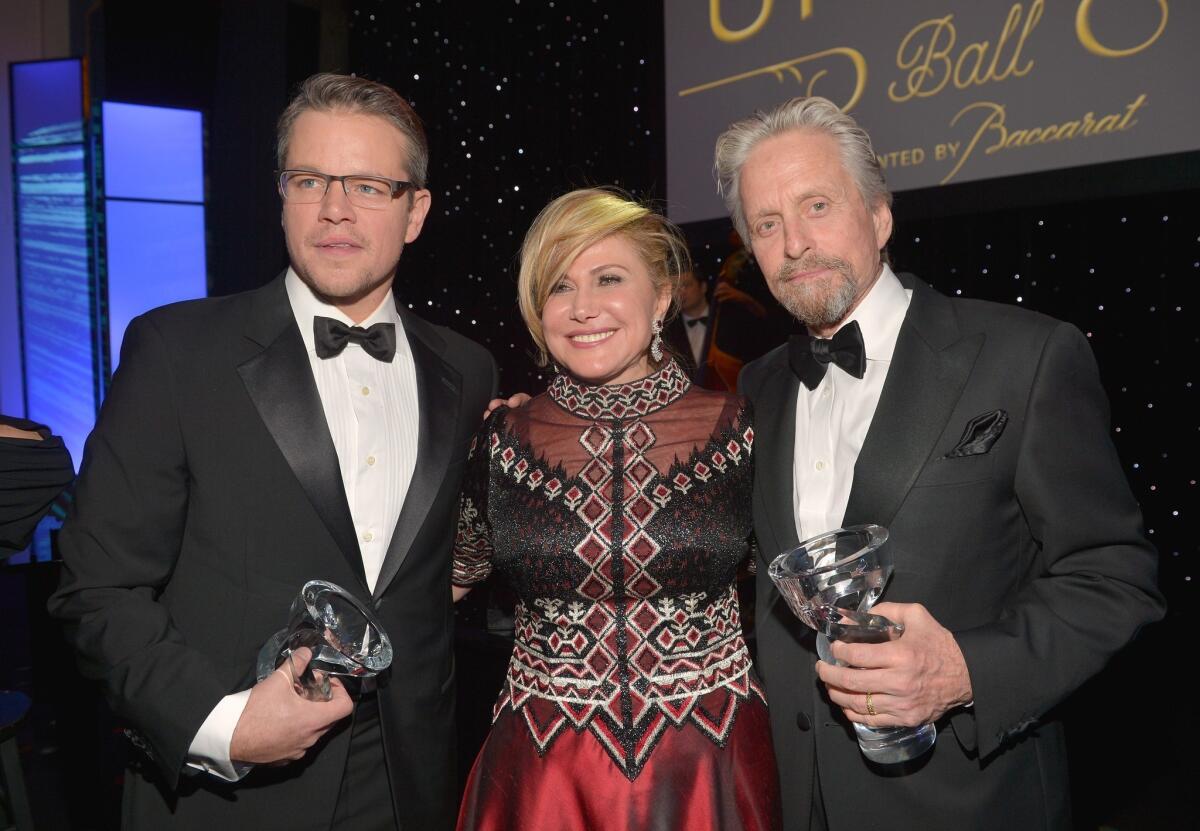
{"points": [[830, 582], [344, 636]]}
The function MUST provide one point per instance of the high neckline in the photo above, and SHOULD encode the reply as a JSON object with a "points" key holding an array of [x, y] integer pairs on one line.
{"points": [[635, 398]]}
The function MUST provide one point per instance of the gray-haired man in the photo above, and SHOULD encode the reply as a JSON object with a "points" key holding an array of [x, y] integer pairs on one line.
{"points": [[977, 433]]}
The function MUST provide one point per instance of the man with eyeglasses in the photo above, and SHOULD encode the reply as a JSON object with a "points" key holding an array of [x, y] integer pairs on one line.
{"points": [[312, 429]]}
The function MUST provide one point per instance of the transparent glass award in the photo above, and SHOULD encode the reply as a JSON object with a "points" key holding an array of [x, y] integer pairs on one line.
{"points": [[344, 636], [831, 581]]}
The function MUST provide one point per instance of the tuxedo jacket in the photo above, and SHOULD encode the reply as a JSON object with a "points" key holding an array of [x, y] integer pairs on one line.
{"points": [[209, 494], [675, 335], [1010, 519]]}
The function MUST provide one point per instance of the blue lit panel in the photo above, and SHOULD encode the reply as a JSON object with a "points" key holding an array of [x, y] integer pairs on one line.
{"points": [[51, 197], [152, 153], [52, 246], [155, 256], [47, 103]]}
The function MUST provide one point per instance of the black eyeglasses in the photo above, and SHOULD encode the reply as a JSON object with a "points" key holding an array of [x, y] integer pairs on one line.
{"points": [[305, 187]]}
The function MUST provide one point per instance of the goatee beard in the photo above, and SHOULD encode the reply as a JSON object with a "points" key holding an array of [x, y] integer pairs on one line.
{"points": [[817, 302]]}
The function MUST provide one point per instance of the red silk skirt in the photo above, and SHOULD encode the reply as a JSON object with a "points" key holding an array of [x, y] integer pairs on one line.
{"points": [[688, 783]]}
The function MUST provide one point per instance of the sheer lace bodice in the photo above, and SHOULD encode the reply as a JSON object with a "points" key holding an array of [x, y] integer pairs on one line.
{"points": [[620, 515]]}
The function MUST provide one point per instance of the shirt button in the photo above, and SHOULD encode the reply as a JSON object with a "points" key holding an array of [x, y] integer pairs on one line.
{"points": [[825, 393], [820, 465], [366, 390], [368, 536], [370, 460]]}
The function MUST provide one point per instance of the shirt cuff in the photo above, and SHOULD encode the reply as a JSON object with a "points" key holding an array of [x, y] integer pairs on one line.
{"points": [[209, 751]]}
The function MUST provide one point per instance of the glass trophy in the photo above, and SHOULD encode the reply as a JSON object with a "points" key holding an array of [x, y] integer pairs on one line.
{"points": [[344, 636], [831, 581]]}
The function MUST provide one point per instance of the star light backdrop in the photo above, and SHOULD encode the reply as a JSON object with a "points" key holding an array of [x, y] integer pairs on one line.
{"points": [[525, 100], [522, 102]]}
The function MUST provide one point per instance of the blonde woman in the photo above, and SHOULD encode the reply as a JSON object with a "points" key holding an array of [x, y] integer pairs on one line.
{"points": [[617, 505]]}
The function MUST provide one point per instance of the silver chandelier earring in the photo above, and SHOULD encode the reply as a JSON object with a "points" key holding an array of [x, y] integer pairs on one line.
{"points": [[656, 342]]}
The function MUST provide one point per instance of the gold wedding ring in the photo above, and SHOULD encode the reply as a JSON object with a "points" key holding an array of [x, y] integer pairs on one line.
{"points": [[871, 705]]}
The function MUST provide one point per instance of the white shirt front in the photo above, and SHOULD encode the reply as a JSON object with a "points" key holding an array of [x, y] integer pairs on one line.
{"points": [[371, 411], [832, 420]]}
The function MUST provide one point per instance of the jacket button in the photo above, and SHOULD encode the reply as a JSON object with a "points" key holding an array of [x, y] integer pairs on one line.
{"points": [[803, 721]]}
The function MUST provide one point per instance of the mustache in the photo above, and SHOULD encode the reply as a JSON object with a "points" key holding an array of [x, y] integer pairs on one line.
{"points": [[810, 262]]}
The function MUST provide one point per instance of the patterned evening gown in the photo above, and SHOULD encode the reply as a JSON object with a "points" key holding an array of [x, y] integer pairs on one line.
{"points": [[619, 514]]}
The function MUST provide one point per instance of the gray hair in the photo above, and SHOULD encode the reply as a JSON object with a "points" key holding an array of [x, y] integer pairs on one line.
{"points": [[327, 92], [814, 113]]}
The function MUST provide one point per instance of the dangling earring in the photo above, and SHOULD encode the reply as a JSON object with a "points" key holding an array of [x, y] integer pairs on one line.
{"points": [[656, 342]]}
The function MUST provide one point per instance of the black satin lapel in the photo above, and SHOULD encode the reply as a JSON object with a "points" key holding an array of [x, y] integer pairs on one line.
{"points": [[280, 383], [922, 387], [439, 395], [774, 450]]}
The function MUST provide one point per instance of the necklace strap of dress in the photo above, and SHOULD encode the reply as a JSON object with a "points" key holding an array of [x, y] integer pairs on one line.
{"points": [[635, 398]]}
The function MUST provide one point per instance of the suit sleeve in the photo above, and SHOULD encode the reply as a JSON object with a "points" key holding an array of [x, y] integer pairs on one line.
{"points": [[1093, 582], [32, 474], [473, 537], [119, 548]]}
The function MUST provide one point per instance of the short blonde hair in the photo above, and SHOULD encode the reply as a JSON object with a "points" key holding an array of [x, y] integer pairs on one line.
{"points": [[574, 222]]}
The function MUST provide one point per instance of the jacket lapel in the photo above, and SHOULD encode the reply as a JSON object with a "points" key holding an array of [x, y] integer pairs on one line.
{"points": [[280, 383], [929, 369], [775, 446], [439, 397]]}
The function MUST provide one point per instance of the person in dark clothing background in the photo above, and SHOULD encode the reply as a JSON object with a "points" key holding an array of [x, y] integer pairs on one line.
{"points": [[35, 467]]}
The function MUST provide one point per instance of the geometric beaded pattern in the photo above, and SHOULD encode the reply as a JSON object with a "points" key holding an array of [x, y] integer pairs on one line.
{"points": [[620, 401]]}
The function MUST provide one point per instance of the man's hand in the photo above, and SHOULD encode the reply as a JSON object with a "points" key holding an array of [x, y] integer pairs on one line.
{"points": [[913, 680], [9, 432], [280, 726], [512, 402]]}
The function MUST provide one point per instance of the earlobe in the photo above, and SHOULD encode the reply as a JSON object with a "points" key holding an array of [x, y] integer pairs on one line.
{"points": [[662, 307], [882, 217], [417, 211]]}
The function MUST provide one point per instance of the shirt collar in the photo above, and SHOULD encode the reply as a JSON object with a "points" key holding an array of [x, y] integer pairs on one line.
{"points": [[306, 306], [880, 315]]}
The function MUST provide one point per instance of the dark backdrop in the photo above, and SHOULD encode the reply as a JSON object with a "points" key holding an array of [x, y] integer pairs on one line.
{"points": [[526, 99]]}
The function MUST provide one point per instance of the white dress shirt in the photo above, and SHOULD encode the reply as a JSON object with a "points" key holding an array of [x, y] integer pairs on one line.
{"points": [[832, 420], [371, 411]]}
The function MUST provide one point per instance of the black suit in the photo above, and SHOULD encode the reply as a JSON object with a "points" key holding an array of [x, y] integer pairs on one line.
{"points": [[675, 335], [209, 493], [1031, 553]]}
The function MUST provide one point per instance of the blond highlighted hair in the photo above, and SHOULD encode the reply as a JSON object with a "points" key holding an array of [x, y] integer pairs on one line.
{"points": [[578, 220]]}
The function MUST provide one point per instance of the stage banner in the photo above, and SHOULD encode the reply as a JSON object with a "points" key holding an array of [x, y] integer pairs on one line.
{"points": [[950, 90]]}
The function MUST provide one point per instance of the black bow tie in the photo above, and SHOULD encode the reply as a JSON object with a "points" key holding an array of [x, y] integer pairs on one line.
{"points": [[810, 356], [697, 320], [378, 341]]}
